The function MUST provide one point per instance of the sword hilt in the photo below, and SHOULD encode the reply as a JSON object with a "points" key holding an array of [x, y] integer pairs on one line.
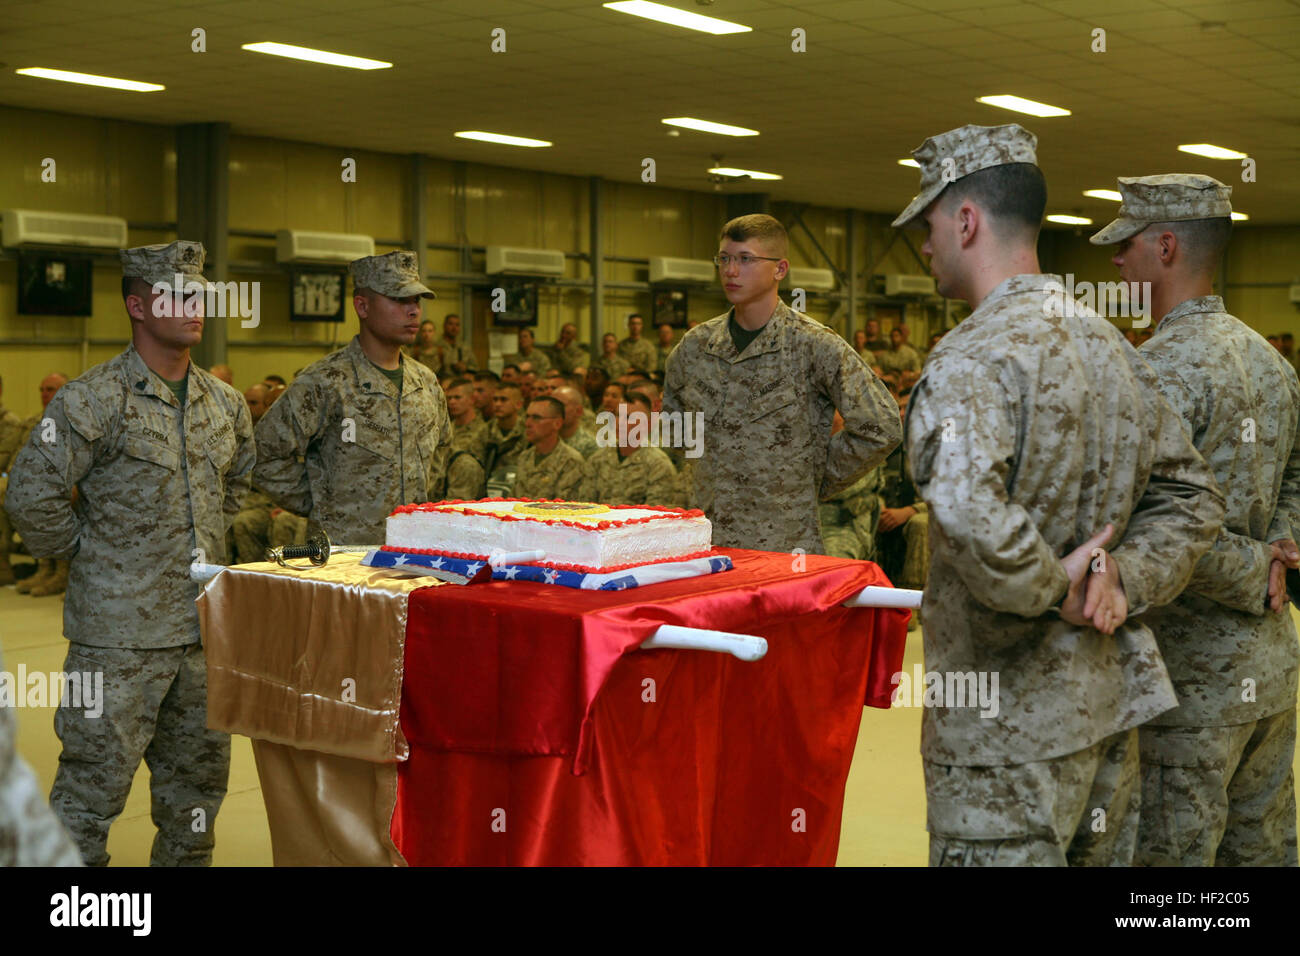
{"points": [[317, 550]]}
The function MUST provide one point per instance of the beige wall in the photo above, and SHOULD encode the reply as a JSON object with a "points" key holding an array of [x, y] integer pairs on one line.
{"points": [[129, 169]]}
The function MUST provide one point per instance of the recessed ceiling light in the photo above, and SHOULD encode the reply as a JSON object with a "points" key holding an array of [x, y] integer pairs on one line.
{"points": [[1070, 220], [1021, 105], [909, 162], [90, 79], [1211, 151], [501, 138], [704, 126], [316, 56], [751, 173], [678, 18], [1239, 217], [1110, 194]]}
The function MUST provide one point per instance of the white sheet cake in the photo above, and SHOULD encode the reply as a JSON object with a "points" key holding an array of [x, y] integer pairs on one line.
{"points": [[579, 534]]}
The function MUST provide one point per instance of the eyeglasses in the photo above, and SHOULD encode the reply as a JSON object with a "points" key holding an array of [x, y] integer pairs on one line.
{"points": [[722, 260]]}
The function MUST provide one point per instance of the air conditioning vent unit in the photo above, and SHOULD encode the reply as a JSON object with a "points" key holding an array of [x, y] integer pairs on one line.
{"points": [[295, 245], [811, 280], [664, 269], [909, 285], [32, 227], [533, 262]]}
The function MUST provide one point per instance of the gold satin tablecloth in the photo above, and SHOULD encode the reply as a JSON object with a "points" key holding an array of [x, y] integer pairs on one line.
{"points": [[308, 663]]}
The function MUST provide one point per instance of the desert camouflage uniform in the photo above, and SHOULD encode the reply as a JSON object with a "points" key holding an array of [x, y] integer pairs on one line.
{"points": [[120, 432], [1038, 813], [472, 438], [466, 479], [903, 359], [447, 354], [257, 528], [568, 358], [562, 474], [30, 835], [1217, 780], [645, 477], [768, 454], [1008, 497], [505, 447], [540, 361], [583, 441], [1208, 786], [849, 517], [252, 528], [639, 354], [1032, 426], [612, 365], [343, 449]]}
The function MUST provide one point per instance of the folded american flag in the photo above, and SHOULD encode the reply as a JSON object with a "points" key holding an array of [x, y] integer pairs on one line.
{"points": [[464, 571]]}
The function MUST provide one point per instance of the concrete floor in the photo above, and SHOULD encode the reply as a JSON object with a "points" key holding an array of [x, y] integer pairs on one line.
{"points": [[884, 806]]}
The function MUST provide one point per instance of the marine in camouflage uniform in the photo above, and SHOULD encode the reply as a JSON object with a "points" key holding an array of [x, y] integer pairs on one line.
{"points": [[130, 611], [1218, 786], [640, 353], [540, 361], [610, 360], [567, 354], [645, 476], [342, 446], [848, 519], [768, 456], [1031, 428], [450, 352]]}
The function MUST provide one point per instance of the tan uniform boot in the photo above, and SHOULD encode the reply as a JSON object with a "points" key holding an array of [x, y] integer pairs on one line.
{"points": [[44, 568], [56, 583], [6, 572]]}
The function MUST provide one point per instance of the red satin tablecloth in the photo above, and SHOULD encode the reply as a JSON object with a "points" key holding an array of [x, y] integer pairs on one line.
{"points": [[540, 735]]}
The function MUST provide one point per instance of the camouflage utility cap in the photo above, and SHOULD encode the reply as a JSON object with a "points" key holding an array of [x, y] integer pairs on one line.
{"points": [[959, 152], [1169, 197], [162, 262], [396, 275]]}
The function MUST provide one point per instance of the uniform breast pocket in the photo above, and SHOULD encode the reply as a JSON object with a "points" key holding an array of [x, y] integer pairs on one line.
{"points": [[221, 452], [151, 457], [373, 441], [775, 422], [780, 404]]}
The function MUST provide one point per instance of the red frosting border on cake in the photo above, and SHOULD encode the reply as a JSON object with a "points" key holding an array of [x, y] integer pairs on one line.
{"points": [[580, 568], [581, 526]]}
